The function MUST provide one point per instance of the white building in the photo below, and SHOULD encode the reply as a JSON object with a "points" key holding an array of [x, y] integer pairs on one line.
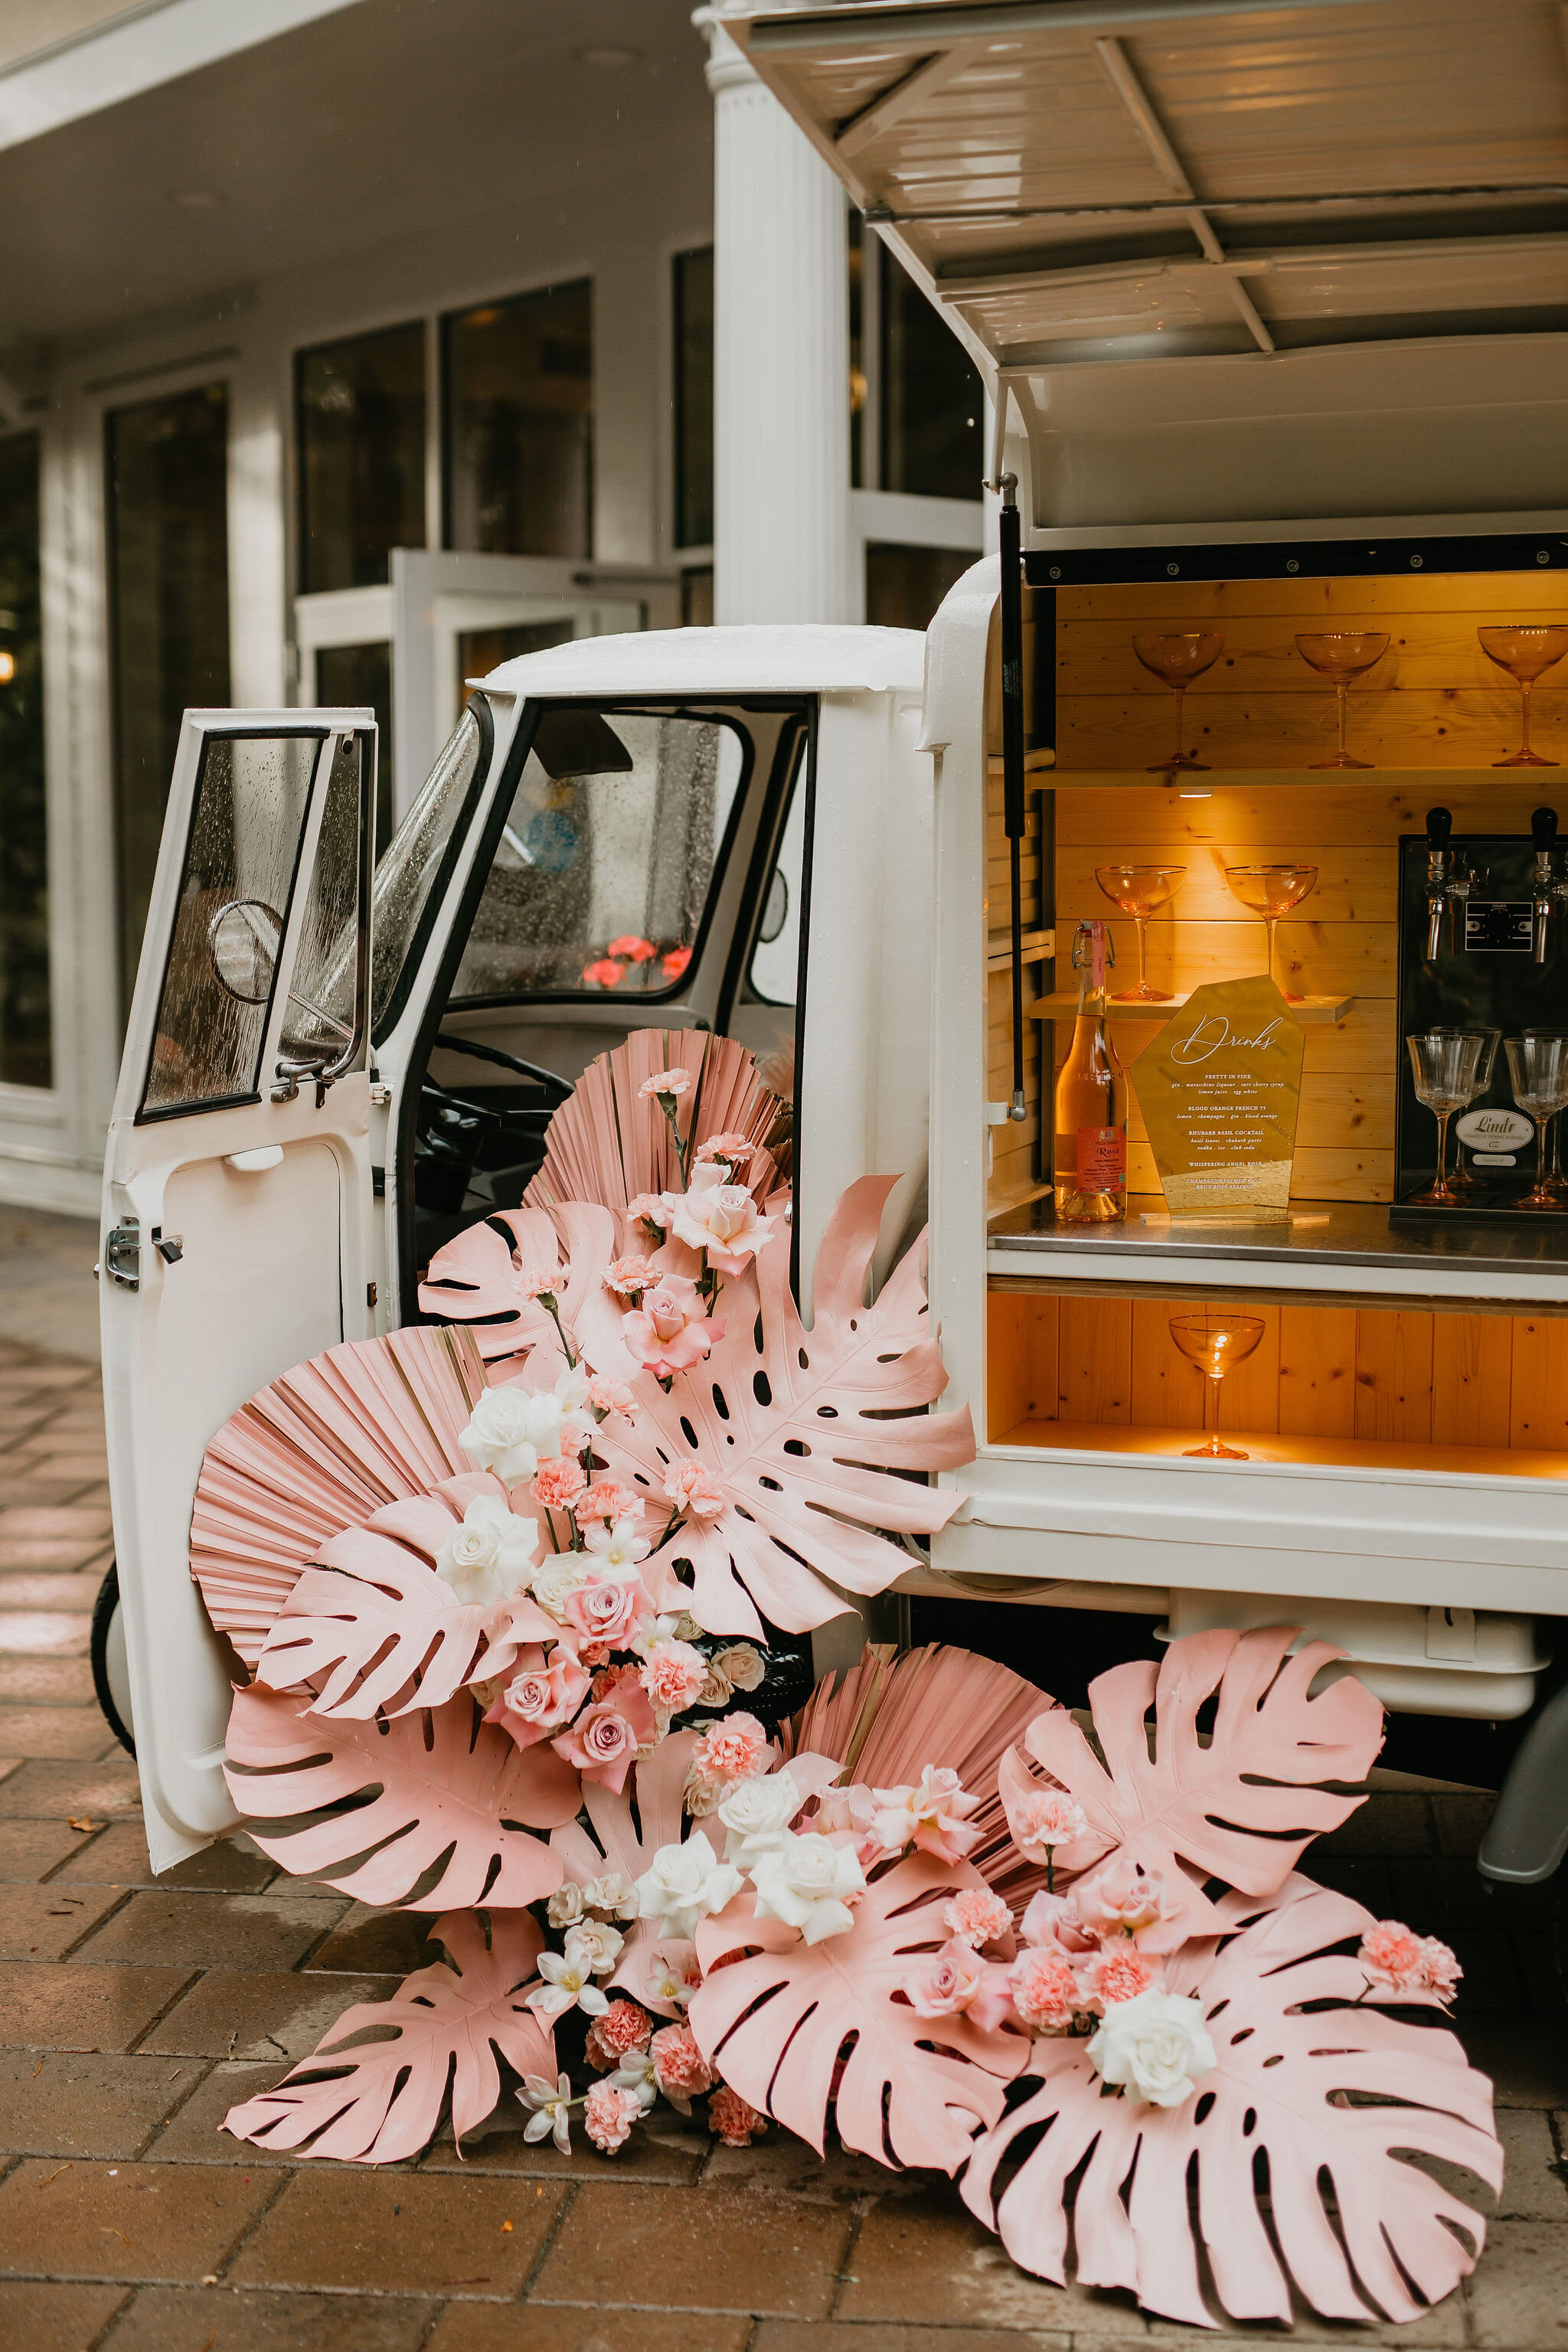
{"points": [[348, 346]]}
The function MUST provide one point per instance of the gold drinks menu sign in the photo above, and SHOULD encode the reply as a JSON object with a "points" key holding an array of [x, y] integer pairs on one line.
{"points": [[1219, 1089]]}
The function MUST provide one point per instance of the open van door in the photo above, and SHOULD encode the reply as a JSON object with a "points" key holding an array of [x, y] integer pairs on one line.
{"points": [[236, 1197]]}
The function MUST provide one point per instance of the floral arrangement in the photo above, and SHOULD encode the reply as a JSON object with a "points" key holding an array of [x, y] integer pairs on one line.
{"points": [[515, 1640]]}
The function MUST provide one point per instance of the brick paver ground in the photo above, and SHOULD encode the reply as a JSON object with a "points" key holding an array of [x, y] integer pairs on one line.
{"points": [[134, 2011]]}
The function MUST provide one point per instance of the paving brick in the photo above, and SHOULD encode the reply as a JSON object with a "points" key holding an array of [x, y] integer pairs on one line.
{"points": [[32, 1849], [554, 2327], [73, 1523], [785, 2166], [195, 2134], [39, 1923], [61, 1732], [234, 2319], [66, 1682], [1527, 2058], [707, 2248], [39, 2318], [21, 1556], [51, 1588], [233, 2013], [77, 2104], [57, 2005], [130, 2222], [202, 1930], [792, 2335], [385, 1943], [44, 1633], [661, 2148], [399, 2232], [117, 1857], [1519, 2295], [49, 1792], [1532, 2189], [925, 2259]]}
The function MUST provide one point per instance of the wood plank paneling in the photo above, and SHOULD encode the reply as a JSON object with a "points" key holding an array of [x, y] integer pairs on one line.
{"points": [[1471, 1380], [1355, 885], [1249, 1396], [1539, 1415], [1317, 1371], [1167, 1388], [1094, 1361], [1116, 818], [1322, 602], [1394, 1376], [1262, 728]]}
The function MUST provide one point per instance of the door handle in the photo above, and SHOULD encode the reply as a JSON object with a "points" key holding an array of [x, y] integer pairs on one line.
{"points": [[170, 1247]]}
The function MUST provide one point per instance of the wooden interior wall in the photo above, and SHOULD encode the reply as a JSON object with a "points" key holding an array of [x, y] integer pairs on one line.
{"points": [[1318, 1371], [1434, 700], [1016, 1151], [1343, 942]]}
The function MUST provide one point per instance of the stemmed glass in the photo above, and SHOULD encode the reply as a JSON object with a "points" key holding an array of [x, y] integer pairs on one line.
{"points": [[1462, 1180], [1343, 655], [1179, 659], [1539, 1068], [1272, 891], [1214, 1340], [1139, 891], [1525, 649], [1443, 1063], [1556, 1182]]}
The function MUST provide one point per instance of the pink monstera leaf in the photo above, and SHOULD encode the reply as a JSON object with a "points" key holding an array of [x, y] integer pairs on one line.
{"points": [[800, 1429], [1332, 2094], [1237, 1804], [374, 1627], [444, 1805], [476, 1279], [776, 2019], [379, 2102]]}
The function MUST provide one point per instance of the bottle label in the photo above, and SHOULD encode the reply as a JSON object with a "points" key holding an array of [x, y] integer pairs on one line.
{"points": [[1102, 1158]]}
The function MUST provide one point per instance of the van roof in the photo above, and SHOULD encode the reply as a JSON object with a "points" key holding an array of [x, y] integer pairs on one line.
{"points": [[766, 659]]}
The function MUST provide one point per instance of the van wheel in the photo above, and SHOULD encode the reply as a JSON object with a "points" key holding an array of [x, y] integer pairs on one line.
{"points": [[110, 1678]]}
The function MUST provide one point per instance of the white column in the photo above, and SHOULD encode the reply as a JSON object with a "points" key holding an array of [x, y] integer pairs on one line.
{"points": [[781, 391]]}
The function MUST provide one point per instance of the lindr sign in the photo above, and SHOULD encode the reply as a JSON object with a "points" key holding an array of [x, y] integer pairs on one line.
{"points": [[1219, 1089]]}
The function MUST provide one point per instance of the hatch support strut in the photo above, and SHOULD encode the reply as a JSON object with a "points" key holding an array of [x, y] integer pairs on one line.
{"points": [[1013, 810]]}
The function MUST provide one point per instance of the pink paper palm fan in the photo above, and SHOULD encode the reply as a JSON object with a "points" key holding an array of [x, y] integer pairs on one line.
{"points": [[890, 1717], [318, 1449], [608, 1144]]}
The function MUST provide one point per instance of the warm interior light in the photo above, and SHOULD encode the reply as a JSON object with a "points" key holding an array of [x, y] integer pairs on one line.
{"points": [[1203, 793], [7, 668]]}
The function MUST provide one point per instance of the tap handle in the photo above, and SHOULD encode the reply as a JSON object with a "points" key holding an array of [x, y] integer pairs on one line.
{"points": [[1439, 825], [1543, 829]]}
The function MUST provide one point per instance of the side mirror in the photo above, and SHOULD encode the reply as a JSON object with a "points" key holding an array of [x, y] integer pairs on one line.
{"points": [[243, 940]]}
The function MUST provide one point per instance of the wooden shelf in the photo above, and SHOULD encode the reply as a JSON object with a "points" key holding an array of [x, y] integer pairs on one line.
{"points": [[1063, 1007], [1224, 780], [1039, 946], [1266, 1447]]}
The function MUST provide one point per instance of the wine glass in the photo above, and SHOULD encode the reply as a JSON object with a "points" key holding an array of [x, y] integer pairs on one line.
{"points": [[1179, 659], [1556, 1182], [1443, 1063], [1525, 649], [1343, 655], [1272, 891], [1539, 1068], [1139, 891], [1462, 1180], [1213, 1338]]}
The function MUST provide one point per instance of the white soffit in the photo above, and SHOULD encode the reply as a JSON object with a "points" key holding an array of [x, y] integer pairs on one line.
{"points": [[1077, 181]]}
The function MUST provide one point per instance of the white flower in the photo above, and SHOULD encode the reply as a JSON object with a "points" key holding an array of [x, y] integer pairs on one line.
{"points": [[721, 1219], [616, 1548], [564, 1908], [636, 2073], [511, 1432], [804, 1882], [672, 1975], [567, 1985], [555, 1579], [757, 1814], [578, 1419], [686, 1882], [612, 1892], [741, 1666], [1155, 2045], [489, 1557], [593, 1946], [551, 2110]]}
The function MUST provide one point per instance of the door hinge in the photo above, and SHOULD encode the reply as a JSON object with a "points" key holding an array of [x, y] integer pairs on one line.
{"points": [[370, 1294], [122, 1254]]}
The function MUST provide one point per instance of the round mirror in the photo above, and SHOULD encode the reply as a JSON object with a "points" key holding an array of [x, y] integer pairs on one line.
{"points": [[243, 940], [775, 913]]}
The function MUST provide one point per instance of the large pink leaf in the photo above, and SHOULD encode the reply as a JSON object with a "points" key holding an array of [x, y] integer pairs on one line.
{"points": [[1324, 2092], [441, 1806], [1238, 1802], [379, 2103], [776, 2023], [374, 1627], [800, 1429], [475, 1278]]}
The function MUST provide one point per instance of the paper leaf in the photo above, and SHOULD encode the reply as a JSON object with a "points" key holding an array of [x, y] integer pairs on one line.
{"points": [[442, 1806], [473, 1280], [775, 2024], [381, 2103], [1329, 2094], [626, 1831]]}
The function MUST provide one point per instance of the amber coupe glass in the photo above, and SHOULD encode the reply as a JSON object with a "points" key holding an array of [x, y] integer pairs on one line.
{"points": [[1139, 891], [1216, 1341], [1179, 659], [1525, 649], [1272, 891], [1343, 655]]}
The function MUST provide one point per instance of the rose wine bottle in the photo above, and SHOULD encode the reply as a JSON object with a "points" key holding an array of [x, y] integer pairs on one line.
{"points": [[1090, 1166]]}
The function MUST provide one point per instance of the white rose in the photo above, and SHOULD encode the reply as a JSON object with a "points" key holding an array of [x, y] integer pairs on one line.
{"points": [[593, 1946], [613, 1892], [757, 1814], [555, 1579], [804, 1882], [741, 1666], [686, 1884], [489, 1556], [1155, 2045], [512, 1432], [723, 1219], [564, 1908]]}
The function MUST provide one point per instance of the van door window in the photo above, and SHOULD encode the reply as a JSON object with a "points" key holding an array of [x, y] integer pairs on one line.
{"points": [[413, 870], [773, 973]]}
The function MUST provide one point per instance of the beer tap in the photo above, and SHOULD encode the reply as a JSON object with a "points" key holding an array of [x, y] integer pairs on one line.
{"points": [[1449, 880], [1549, 891]]}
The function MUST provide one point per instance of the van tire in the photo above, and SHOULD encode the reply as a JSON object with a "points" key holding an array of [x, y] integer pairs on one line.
{"points": [[108, 1652]]}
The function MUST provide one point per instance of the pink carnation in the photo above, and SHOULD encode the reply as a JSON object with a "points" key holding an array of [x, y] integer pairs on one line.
{"points": [[604, 1741], [977, 1917], [733, 1148], [556, 1483], [608, 2114], [629, 1276], [648, 1209], [666, 1082], [602, 974], [733, 1749], [1044, 1989], [679, 2068], [736, 2122], [673, 1674], [605, 1499], [1393, 1956], [672, 1330], [1122, 1899], [611, 1396], [1440, 1970], [1120, 1972], [535, 1281], [692, 1486], [539, 1698], [1046, 1819], [623, 2028]]}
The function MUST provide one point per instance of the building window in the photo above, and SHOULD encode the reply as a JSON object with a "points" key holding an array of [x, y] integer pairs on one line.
{"points": [[24, 1055], [167, 464], [519, 424], [917, 406], [350, 677], [359, 417], [904, 585], [693, 290]]}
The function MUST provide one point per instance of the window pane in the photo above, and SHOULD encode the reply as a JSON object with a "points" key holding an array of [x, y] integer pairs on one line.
{"points": [[933, 404], [327, 966], [775, 959], [352, 675], [25, 1055], [481, 650], [168, 515], [520, 425], [360, 426], [603, 871], [904, 585], [411, 867], [251, 804], [694, 398]]}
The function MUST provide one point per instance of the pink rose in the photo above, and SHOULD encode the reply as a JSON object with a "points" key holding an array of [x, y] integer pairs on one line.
{"points": [[851, 1811], [1044, 1989], [1393, 1956], [607, 1609], [556, 1483], [693, 1487], [679, 2068], [1122, 1899], [604, 1741], [539, 1698], [1053, 1920], [947, 1983], [734, 2118], [673, 1674], [669, 1331], [930, 1816], [1045, 1820], [1120, 1972], [623, 2028], [733, 1749], [605, 1500], [611, 1396], [630, 1275], [608, 2114], [723, 1219], [977, 1917], [665, 1081]]}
